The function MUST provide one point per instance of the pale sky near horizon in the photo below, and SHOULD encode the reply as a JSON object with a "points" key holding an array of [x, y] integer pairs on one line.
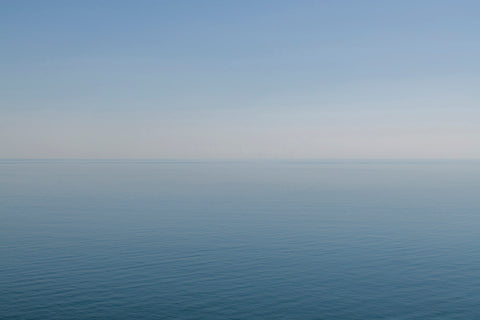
{"points": [[240, 79]]}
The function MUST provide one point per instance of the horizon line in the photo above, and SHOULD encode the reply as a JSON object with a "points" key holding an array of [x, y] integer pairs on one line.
{"points": [[237, 159]]}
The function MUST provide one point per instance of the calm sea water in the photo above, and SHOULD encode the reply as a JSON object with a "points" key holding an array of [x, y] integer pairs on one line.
{"points": [[239, 240]]}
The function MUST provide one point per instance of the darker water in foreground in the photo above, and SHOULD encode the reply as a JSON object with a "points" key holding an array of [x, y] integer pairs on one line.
{"points": [[239, 240]]}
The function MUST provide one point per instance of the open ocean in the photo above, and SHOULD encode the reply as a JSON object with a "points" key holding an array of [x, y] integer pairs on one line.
{"points": [[239, 239]]}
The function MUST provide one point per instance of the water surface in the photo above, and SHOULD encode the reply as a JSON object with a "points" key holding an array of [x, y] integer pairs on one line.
{"points": [[239, 240]]}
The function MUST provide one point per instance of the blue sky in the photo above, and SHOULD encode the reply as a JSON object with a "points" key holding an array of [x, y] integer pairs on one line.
{"points": [[240, 79]]}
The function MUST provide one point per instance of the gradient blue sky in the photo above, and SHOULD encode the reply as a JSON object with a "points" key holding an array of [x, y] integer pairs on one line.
{"points": [[240, 79]]}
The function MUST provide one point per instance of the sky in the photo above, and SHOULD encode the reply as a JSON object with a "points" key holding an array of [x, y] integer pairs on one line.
{"points": [[250, 79]]}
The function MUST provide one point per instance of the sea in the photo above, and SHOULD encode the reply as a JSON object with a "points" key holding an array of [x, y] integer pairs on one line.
{"points": [[256, 239]]}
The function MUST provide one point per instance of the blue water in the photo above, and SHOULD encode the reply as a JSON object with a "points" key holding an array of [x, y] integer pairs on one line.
{"points": [[239, 240]]}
